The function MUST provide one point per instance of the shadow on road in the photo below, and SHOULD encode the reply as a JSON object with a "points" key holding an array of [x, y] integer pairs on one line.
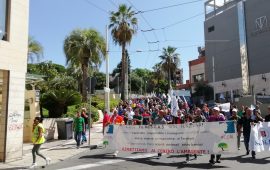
{"points": [[17, 168], [150, 161], [249, 159]]}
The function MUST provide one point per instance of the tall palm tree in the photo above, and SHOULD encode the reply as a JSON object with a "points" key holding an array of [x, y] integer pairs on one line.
{"points": [[123, 25], [84, 47], [35, 50], [158, 74], [169, 62]]}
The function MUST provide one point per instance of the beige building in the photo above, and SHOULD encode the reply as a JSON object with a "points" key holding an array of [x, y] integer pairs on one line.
{"points": [[14, 16]]}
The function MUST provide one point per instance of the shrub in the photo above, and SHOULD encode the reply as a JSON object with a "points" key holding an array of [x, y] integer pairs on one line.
{"points": [[73, 109]]}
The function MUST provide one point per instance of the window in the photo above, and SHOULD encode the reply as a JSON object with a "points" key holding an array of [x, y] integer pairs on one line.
{"points": [[211, 29], [4, 11], [198, 78]]}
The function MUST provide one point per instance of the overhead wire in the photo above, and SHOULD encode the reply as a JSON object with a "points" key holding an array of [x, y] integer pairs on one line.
{"points": [[145, 20], [96, 6], [113, 3], [170, 6]]}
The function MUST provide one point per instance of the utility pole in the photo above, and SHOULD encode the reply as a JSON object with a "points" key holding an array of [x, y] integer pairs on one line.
{"points": [[214, 77], [89, 123], [107, 89], [141, 86]]}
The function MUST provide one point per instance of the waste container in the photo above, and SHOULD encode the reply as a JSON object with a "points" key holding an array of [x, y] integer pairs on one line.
{"points": [[64, 127]]}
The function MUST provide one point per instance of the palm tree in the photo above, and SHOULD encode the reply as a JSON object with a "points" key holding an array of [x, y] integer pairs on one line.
{"points": [[169, 62], [123, 26], [158, 74], [84, 47], [35, 50]]}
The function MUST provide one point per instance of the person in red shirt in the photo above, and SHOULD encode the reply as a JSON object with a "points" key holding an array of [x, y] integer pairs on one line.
{"points": [[116, 119], [106, 120]]}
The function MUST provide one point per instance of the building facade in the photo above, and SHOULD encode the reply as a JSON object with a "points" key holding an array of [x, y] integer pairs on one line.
{"points": [[196, 71], [14, 16], [237, 42]]}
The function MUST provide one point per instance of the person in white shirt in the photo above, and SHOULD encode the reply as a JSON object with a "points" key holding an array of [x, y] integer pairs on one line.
{"points": [[130, 115]]}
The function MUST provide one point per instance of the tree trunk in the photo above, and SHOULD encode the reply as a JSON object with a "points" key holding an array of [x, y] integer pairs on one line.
{"points": [[123, 77], [84, 70], [169, 79]]}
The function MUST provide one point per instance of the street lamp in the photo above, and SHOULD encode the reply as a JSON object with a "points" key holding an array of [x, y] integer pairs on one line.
{"points": [[145, 87]]}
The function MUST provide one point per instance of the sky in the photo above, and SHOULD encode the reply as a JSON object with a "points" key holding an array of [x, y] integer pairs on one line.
{"points": [[181, 26]]}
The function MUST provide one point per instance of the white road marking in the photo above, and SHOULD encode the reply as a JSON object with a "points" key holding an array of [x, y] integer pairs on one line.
{"points": [[107, 162]]}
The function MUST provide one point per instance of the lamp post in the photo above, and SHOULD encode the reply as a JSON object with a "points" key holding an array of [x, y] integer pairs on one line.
{"points": [[107, 89], [145, 88], [89, 123]]}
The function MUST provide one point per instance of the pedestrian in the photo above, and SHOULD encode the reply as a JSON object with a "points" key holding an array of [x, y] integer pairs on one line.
{"points": [[78, 128], [234, 117], [137, 118], [198, 117], [85, 117], [246, 121], [106, 120], [38, 139], [129, 115], [267, 117], [216, 117], [160, 120], [116, 120]]}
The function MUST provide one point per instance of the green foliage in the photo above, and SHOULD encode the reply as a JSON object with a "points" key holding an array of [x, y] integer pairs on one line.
{"points": [[101, 80], [63, 82], [99, 103], [56, 102], [202, 89], [114, 103], [35, 50], [48, 69], [45, 112], [81, 47], [72, 110], [123, 25], [169, 62]]}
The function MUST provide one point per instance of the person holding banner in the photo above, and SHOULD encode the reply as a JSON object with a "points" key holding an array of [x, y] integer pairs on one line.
{"points": [[216, 117], [116, 120], [234, 117], [160, 120], [246, 121], [267, 117]]}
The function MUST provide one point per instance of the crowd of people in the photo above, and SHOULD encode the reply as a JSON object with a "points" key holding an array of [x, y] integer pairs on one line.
{"points": [[147, 111]]}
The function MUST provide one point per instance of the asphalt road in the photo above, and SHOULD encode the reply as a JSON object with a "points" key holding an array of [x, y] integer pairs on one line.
{"points": [[101, 159]]}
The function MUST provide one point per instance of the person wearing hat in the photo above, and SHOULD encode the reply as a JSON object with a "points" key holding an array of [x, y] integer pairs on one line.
{"points": [[267, 117], [246, 122], [216, 117]]}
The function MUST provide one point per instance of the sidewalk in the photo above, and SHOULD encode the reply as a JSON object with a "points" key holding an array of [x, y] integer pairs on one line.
{"points": [[57, 150]]}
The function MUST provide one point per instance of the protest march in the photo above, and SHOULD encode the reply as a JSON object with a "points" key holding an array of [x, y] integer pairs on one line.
{"points": [[169, 125]]}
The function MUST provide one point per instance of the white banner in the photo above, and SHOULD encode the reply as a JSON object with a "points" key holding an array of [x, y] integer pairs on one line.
{"points": [[196, 138], [225, 107], [260, 137]]}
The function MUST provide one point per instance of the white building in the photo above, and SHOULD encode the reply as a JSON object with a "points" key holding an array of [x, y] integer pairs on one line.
{"points": [[14, 16]]}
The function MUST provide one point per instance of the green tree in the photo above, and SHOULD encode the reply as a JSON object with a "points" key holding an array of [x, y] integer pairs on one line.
{"points": [[57, 101], [35, 50], [84, 47], [169, 62], [123, 25], [158, 75], [204, 90], [101, 80]]}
